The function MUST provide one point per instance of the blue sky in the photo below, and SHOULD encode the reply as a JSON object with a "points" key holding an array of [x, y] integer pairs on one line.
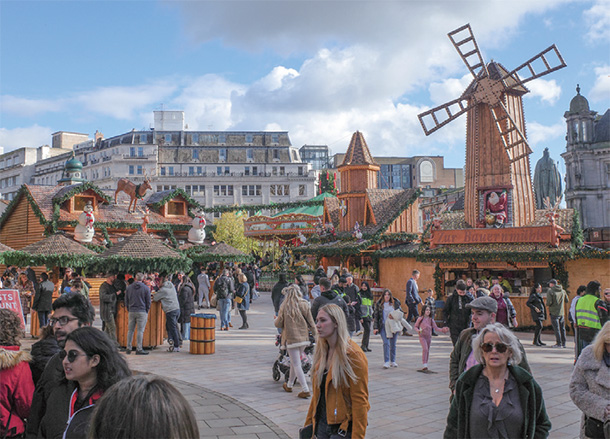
{"points": [[317, 69]]}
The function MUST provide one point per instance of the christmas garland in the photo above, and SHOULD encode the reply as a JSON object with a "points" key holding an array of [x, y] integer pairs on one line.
{"points": [[199, 254], [22, 259], [439, 278], [270, 206], [560, 273], [173, 194], [123, 264], [79, 189], [13, 204], [578, 237]]}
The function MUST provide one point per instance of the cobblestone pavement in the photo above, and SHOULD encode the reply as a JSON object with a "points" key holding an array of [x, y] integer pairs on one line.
{"points": [[234, 395]]}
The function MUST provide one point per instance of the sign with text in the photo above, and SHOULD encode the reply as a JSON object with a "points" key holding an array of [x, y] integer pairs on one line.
{"points": [[9, 299], [492, 236], [532, 264], [453, 265], [492, 265]]}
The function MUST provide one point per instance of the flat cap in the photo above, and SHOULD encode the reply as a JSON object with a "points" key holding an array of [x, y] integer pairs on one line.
{"points": [[484, 303]]}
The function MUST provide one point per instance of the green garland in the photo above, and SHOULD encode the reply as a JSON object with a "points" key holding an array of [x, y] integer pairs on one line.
{"points": [[172, 238], [79, 189], [173, 194], [560, 273], [439, 278], [507, 256], [270, 206], [587, 252], [22, 259], [199, 254], [96, 248], [23, 190], [121, 264], [578, 237]]}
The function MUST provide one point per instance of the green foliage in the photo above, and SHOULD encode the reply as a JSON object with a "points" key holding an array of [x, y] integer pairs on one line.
{"points": [[578, 237], [439, 282], [270, 206], [327, 183], [230, 230], [79, 189], [560, 273], [122, 264], [201, 255], [22, 259]]}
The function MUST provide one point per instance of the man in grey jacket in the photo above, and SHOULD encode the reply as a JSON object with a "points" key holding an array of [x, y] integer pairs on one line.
{"points": [[137, 302], [556, 297], [171, 307]]}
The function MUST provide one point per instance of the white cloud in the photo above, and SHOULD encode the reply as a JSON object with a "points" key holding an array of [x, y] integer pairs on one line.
{"points": [[547, 90], [601, 89], [28, 107], [598, 20], [545, 135], [448, 89], [32, 136]]}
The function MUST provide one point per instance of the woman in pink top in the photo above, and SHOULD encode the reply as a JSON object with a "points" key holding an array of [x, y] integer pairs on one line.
{"points": [[424, 326]]}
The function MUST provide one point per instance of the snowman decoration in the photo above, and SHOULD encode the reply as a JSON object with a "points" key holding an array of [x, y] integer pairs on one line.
{"points": [[197, 232], [84, 230]]}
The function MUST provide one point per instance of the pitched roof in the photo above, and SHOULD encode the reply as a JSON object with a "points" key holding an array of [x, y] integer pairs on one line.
{"points": [[387, 204], [57, 244], [140, 246], [358, 152], [332, 206], [5, 248], [222, 249], [456, 220], [495, 252]]}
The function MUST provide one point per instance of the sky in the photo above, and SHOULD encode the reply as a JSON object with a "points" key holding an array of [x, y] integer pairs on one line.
{"points": [[317, 69]]}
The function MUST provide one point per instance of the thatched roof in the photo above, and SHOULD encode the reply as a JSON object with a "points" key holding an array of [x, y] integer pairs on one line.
{"points": [[140, 245], [57, 244], [218, 252]]}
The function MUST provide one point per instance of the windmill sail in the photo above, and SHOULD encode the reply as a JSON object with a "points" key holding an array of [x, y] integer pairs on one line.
{"points": [[465, 44], [550, 57], [443, 114], [510, 134]]}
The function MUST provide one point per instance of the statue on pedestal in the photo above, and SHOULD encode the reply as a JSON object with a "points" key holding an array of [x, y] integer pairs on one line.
{"points": [[547, 180]]}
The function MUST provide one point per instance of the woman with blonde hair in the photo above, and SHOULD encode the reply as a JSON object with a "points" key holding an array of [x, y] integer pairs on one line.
{"points": [[295, 320], [340, 402], [497, 398], [590, 386]]}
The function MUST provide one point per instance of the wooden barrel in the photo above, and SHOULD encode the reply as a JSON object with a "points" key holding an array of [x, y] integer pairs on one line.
{"points": [[203, 334]]}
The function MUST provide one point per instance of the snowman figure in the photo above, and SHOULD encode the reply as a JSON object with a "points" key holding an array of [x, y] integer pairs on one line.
{"points": [[84, 230], [197, 232]]}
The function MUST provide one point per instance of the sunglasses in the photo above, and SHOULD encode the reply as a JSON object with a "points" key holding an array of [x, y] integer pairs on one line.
{"points": [[500, 347], [63, 320], [72, 355]]}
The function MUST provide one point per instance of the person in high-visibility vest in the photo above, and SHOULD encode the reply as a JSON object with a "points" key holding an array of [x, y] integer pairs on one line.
{"points": [[588, 310], [366, 314]]}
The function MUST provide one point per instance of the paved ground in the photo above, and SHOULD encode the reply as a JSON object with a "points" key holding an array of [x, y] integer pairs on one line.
{"points": [[234, 396]]}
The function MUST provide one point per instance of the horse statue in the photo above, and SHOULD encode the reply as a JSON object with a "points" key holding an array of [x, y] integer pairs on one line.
{"points": [[135, 191]]}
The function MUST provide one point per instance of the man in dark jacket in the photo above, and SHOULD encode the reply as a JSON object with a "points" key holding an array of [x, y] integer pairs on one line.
{"points": [[137, 302], [352, 298], [43, 299], [412, 298], [319, 274], [457, 315], [327, 296], [276, 292], [556, 298], [108, 299], [70, 311]]}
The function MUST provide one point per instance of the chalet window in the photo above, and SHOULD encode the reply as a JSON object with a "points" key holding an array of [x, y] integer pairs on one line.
{"points": [[131, 170], [80, 201], [176, 208]]}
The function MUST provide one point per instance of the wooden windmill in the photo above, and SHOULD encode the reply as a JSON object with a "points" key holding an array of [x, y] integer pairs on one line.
{"points": [[498, 189]]}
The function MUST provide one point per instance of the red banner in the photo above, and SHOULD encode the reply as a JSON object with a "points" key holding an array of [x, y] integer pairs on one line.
{"points": [[9, 299]]}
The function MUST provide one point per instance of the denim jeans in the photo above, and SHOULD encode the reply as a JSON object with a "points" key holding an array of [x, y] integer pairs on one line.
{"points": [[171, 324], [225, 312], [185, 330], [136, 319], [560, 329], [43, 318], [389, 346]]}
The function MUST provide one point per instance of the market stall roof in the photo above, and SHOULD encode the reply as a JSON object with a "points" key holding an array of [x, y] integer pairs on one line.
{"points": [[220, 252], [55, 250], [140, 245], [315, 210], [457, 221]]}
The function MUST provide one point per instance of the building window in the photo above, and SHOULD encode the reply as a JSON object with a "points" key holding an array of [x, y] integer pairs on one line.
{"points": [[227, 170], [195, 154], [276, 154], [199, 170], [168, 138], [254, 170], [195, 138], [222, 154], [142, 138], [132, 151], [249, 138], [247, 170], [218, 170], [279, 189], [275, 138], [170, 170], [191, 170], [223, 190], [300, 170], [249, 154], [251, 190], [131, 170], [222, 138], [140, 151], [426, 172], [140, 171], [274, 170], [302, 190], [159, 188], [282, 170]]}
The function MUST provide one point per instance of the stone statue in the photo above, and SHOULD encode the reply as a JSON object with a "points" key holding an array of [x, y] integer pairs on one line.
{"points": [[547, 180]]}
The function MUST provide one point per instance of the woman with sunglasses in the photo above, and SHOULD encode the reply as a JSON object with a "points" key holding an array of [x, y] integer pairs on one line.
{"points": [[92, 364], [496, 398]]}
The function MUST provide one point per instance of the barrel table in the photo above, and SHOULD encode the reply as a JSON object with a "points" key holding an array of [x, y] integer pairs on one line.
{"points": [[203, 334]]}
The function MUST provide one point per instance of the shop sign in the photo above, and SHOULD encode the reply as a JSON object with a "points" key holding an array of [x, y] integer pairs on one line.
{"points": [[493, 265], [9, 299], [492, 236], [453, 265], [532, 264]]}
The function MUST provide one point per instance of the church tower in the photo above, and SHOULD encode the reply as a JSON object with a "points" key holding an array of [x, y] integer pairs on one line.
{"points": [[358, 173]]}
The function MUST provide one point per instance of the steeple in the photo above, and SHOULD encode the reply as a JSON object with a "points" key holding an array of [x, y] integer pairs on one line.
{"points": [[358, 152]]}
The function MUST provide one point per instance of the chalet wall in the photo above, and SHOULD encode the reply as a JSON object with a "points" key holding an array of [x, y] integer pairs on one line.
{"points": [[583, 271], [22, 228], [395, 272]]}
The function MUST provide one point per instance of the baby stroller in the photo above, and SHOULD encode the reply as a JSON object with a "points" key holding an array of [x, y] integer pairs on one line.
{"points": [[282, 364]]}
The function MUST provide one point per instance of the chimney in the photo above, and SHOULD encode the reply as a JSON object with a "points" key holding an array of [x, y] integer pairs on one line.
{"points": [[98, 135]]}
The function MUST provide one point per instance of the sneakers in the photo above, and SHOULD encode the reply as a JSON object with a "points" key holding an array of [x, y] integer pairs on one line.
{"points": [[286, 388], [146, 353], [304, 394], [386, 365], [175, 350], [394, 364], [359, 332], [556, 346], [128, 351]]}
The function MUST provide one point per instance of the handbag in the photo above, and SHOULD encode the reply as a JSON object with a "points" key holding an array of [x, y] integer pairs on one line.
{"points": [[213, 301], [594, 428], [238, 299], [306, 432]]}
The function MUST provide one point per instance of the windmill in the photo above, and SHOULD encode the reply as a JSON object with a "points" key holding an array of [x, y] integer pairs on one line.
{"points": [[497, 151]]}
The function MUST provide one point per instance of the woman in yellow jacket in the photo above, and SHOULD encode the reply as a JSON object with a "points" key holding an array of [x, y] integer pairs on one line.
{"points": [[340, 402]]}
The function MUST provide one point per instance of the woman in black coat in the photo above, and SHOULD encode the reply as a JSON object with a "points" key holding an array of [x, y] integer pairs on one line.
{"points": [[538, 310], [186, 298]]}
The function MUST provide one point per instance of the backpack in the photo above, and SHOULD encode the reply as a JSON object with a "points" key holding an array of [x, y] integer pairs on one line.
{"points": [[221, 288]]}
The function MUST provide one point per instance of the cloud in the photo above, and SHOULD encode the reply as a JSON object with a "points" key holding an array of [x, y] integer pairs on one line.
{"points": [[597, 19], [545, 135], [448, 89], [547, 90], [32, 136], [28, 107], [601, 88]]}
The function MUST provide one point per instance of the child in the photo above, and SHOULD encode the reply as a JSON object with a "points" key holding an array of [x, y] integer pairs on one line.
{"points": [[424, 325], [431, 302]]}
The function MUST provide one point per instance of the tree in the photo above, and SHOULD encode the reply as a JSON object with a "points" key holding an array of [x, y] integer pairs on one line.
{"points": [[328, 183], [230, 230]]}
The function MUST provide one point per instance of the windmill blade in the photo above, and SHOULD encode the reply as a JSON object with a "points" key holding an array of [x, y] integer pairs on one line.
{"points": [[511, 135], [550, 57], [442, 115], [464, 42]]}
